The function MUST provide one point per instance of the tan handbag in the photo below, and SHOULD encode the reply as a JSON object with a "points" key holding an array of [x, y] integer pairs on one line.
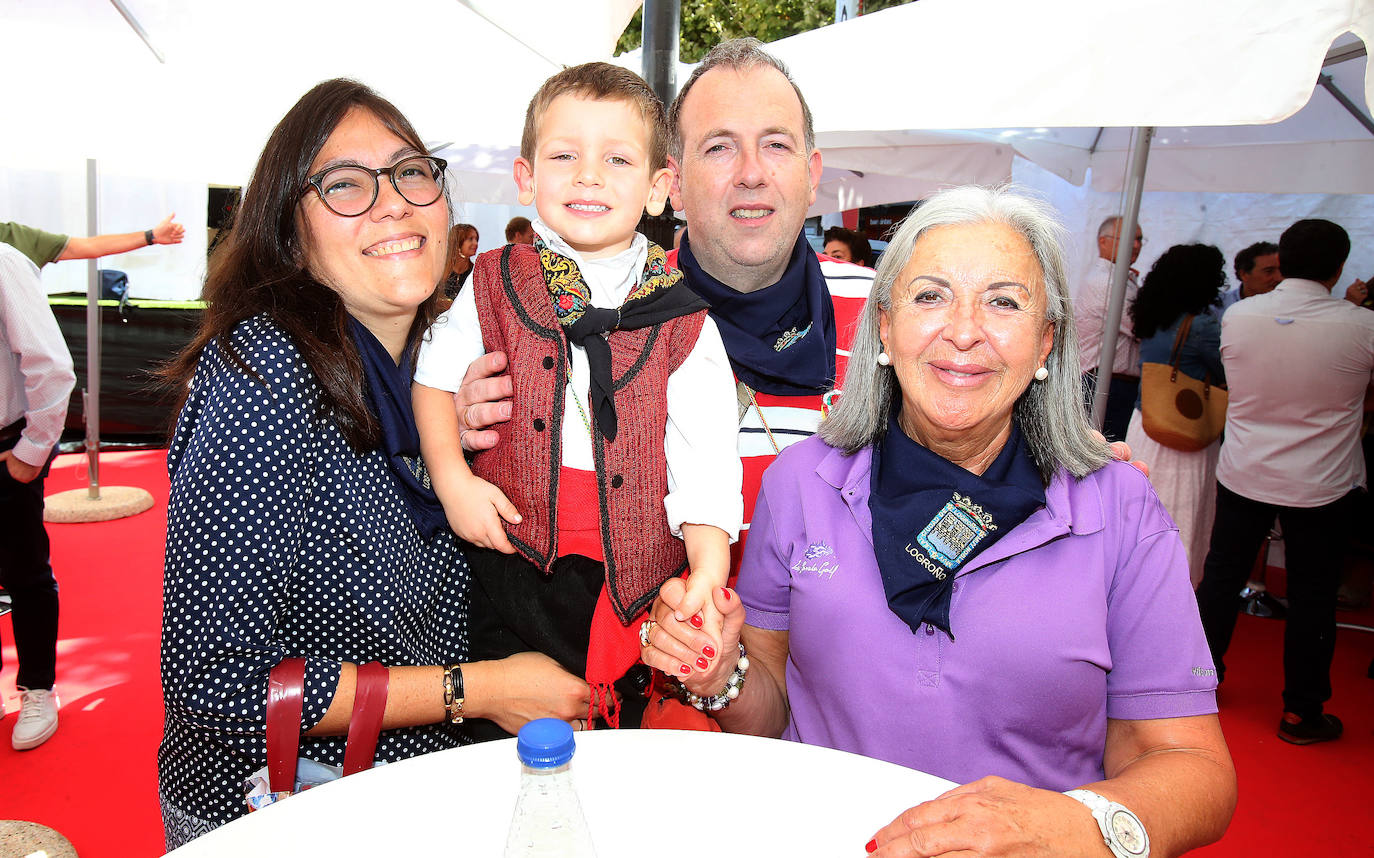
{"points": [[1179, 411]]}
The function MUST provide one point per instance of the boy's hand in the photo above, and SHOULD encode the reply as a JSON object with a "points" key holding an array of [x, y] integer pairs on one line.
{"points": [[698, 610], [482, 401], [477, 512], [678, 649]]}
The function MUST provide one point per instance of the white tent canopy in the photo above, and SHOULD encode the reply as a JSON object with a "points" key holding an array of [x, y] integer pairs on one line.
{"points": [[161, 130], [1212, 76], [1007, 63]]}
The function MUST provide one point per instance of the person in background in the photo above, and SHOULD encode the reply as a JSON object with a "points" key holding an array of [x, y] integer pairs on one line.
{"points": [[1090, 313], [955, 544], [45, 247], [1257, 269], [36, 380], [1182, 285], [847, 245], [300, 521], [462, 249], [519, 231], [1299, 363]]}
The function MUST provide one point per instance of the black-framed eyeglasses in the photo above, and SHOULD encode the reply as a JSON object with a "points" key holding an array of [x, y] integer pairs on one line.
{"points": [[350, 190]]}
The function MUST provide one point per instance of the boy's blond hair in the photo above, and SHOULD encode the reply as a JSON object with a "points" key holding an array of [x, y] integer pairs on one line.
{"points": [[601, 82]]}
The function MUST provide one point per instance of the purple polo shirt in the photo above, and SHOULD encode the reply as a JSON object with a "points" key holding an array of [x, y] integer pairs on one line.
{"points": [[1083, 612]]}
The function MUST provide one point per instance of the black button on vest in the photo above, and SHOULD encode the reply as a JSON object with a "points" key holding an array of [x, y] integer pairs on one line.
{"points": [[617, 481], [538, 424], [548, 363]]}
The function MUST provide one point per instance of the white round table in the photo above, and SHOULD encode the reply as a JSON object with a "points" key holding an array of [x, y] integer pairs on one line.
{"points": [[644, 793]]}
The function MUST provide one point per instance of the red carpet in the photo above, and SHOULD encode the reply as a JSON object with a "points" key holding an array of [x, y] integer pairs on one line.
{"points": [[96, 780]]}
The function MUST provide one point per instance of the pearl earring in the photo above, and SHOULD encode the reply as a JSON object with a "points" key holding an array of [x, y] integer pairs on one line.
{"points": [[1041, 374], [883, 359]]}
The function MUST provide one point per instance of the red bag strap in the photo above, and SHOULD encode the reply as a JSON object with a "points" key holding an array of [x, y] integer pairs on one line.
{"points": [[365, 724], [285, 689]]}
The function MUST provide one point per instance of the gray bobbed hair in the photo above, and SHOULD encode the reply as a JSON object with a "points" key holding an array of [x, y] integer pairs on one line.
{"points": [[1050, 412]]}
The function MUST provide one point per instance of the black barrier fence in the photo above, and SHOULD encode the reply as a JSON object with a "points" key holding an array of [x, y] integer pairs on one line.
{"points": [[136, 339]]}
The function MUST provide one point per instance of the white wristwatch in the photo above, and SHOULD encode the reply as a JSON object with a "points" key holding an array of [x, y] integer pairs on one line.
{"points": [[1121, 829]]}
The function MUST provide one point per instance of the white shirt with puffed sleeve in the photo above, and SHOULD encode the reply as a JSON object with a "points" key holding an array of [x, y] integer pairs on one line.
{"points": [[699, 444]]}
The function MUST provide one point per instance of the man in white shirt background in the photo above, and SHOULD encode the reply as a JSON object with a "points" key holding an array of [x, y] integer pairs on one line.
{"points": [[36, 380], [1090, 313], [1299, 362]]}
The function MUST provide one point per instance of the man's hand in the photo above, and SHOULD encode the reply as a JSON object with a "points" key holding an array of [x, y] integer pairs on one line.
{"points": [[1356, 292], [19, 469], [483, 400], [168, 232]]}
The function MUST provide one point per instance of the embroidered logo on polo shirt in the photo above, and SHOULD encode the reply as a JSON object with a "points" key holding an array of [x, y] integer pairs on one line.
{"points": [[817, 561], [955, 531]]}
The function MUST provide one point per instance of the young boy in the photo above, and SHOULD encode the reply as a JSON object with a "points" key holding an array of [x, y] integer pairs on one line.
{"points": [[623, 432]]}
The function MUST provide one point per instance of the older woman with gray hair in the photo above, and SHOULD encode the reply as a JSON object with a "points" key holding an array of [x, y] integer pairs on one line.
{"points": [[954, 577]]}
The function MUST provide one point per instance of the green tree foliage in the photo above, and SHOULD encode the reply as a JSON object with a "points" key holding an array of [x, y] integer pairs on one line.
{"points": [[706, 22]]}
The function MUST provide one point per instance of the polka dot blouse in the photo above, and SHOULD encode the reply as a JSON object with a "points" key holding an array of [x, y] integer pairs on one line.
{"points": [[282, 541]]}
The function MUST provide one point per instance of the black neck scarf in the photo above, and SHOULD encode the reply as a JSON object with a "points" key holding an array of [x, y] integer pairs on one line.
{"points": [[781, 340], [660, 296], [388, 395], [930, 516]]}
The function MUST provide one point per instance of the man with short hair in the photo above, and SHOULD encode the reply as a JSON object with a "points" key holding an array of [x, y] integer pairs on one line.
{"points": [[519, 231], [1090, 316], [745, 172], [1299, 362], [1257, 269], [36, 380]]}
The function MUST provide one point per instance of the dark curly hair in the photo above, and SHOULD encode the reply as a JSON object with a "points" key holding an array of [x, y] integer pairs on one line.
{"points": [[1186, 279]]}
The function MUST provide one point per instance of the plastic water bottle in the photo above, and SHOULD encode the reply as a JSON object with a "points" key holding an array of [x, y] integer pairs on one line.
{"points": [[548, 817]]}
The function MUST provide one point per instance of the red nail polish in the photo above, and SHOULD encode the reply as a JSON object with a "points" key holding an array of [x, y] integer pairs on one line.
{"points": [[695, 621], [871, 846], [726, 592], [703, 663], [684, 670], [708, 651]]}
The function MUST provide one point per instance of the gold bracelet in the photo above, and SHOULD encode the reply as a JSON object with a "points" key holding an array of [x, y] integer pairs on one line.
{"points": [[453, 693]]}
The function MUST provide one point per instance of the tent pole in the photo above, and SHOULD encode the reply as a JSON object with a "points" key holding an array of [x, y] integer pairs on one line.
{"points": [[91, 400], [1130, 217], [1353, 108], [661, 24]]}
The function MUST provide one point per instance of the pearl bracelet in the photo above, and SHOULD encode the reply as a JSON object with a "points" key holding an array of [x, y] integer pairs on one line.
{"points": [[717, 702]]}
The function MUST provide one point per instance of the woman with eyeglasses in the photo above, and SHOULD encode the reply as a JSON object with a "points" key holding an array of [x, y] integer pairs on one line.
{"points": [[301, 522]]}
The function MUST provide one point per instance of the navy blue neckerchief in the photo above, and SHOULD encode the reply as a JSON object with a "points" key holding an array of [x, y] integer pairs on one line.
{"points": [[658, 297], [388, 395], [930, 516], [781, 340]]}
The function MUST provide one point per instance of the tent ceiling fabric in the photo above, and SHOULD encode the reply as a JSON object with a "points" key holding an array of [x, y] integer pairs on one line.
{"points": [[572, 33], [233, 69], [999, 63], [1206, 73]]}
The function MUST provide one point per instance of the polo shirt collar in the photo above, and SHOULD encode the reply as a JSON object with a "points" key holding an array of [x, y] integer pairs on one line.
{"points": [[1071, 506]]}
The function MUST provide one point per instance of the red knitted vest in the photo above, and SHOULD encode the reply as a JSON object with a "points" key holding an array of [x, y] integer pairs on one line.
{"points": [[517, 317]]}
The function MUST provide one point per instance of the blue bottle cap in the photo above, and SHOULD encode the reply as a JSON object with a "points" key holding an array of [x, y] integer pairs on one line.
{"points": [[545, 743]]}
